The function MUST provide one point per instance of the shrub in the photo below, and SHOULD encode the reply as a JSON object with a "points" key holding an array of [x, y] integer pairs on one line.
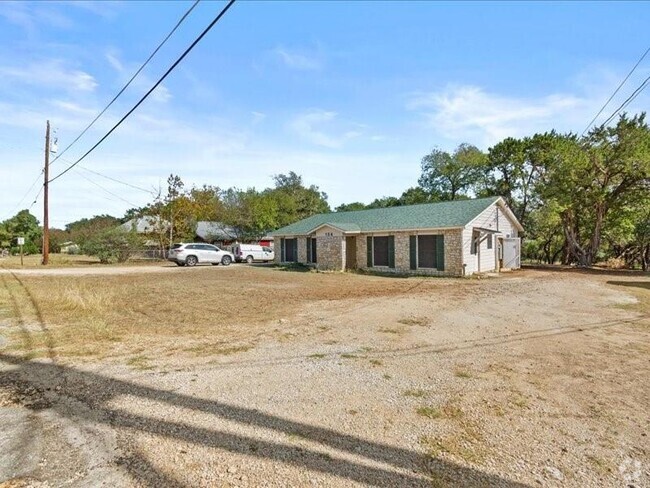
{"points": [[113, 245]]}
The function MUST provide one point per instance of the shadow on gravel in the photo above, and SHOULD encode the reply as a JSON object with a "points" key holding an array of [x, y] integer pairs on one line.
{"points": [[82, 395], [591, 271], [634, 284]]}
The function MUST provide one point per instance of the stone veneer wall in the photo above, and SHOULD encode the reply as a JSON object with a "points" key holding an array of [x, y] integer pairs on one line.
{"points": [[330, 252], [453, 254]]}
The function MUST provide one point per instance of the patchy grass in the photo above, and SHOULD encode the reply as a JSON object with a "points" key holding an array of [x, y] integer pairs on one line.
{"points": [[460, 446], [429, 412], [462, 373], [139, 362], [219, 349], [414, 393], [376, 362], [348, 355], [419, 321], [390, 330], [317, 356], [601, 465], [447, 411]]}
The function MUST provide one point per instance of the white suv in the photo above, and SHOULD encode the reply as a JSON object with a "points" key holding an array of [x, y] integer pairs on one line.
{"points": [[196, 252]]}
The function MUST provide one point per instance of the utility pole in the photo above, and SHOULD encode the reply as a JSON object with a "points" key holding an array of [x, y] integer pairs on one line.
{"points": [[46, 213]]}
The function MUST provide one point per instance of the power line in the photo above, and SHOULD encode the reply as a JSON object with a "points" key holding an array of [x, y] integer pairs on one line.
{"points": [[128, 82], [20, 202], [105, 189], [146, 95], [629, 99], [151, 192], [616, 91]]}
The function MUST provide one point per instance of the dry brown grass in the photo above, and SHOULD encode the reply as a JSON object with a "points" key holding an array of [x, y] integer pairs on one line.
{"points": [[65, 261], [202, 311]]}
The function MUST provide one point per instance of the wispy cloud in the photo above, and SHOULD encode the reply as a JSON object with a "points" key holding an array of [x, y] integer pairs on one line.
{"points": [[470, 113], [53, 73], [126, 70], [257, 117], [299, 60], [311, 126], [30, 16]]}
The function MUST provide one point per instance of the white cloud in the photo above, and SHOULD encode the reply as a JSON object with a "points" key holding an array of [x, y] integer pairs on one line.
{"points": [[30, 16], [299, 60], [142, 81], [257, 117], [309, 126], [469, 113], [53, 73]]}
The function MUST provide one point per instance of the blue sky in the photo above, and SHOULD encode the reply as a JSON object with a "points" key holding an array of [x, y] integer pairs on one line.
{"points": [[350, 95]]}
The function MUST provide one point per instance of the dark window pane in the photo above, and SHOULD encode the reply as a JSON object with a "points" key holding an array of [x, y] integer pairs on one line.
{"points": [[314, 256], [426, 251], [489, 241], [380, 255], [290, 248]]}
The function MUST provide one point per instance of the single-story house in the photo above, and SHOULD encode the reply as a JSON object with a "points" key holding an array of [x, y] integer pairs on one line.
{"points": [[447, 238], [70, 247], [215, 233], [145, 225]]}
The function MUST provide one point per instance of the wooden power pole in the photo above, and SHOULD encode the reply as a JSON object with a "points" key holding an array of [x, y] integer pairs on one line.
{"points": [[46, 209]]}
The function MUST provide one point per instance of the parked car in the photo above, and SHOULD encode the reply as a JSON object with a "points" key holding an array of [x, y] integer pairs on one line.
{"points": [[197, 253], [252, 252]]}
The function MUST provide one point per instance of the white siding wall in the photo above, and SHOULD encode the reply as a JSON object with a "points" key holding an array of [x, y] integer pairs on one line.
{"points": [[486, 220]]}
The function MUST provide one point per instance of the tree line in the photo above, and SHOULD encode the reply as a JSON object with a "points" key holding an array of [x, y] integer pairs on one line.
{"points": [[581, 199]]}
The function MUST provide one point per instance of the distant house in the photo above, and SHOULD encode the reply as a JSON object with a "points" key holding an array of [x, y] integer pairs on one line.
{"points": [[70, 247], [448, 239], [145, 225], [215, 233]]}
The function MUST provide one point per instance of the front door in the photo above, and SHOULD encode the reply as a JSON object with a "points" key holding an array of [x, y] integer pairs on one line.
{"points": [[351, 252], [511, 253]]}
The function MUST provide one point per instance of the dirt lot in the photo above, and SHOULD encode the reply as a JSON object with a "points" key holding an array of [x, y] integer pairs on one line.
{"points": [[254, 376]]}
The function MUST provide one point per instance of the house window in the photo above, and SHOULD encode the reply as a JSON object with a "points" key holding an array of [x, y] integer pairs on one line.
{"points": [[489, 241], [290, 248], [475, 243], [311, 250], [380, 251], [427, 251]]}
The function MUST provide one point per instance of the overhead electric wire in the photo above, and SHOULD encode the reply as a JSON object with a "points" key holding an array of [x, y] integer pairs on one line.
{"points": [[104, 189], [146, 95], [151, 192], [629, 99], [128, 82], [616, 91], [20, 202]]}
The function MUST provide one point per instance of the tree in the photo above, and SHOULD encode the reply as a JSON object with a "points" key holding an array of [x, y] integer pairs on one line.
{"points": [[80, 231], [295, 201], [350, 207], [23, 224], [449, 176], [415, 195], [595, 176], [113, 245]]}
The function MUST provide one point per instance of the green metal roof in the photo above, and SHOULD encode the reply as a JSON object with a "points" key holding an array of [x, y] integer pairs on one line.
{"points": [[425, 216]]}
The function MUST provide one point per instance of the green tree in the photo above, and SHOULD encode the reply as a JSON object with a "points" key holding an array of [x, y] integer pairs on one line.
{"points": [[23, 224], [450, 176], [349, 207], [80, 231], [113, 245], [296, 201], [593, 177]]}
